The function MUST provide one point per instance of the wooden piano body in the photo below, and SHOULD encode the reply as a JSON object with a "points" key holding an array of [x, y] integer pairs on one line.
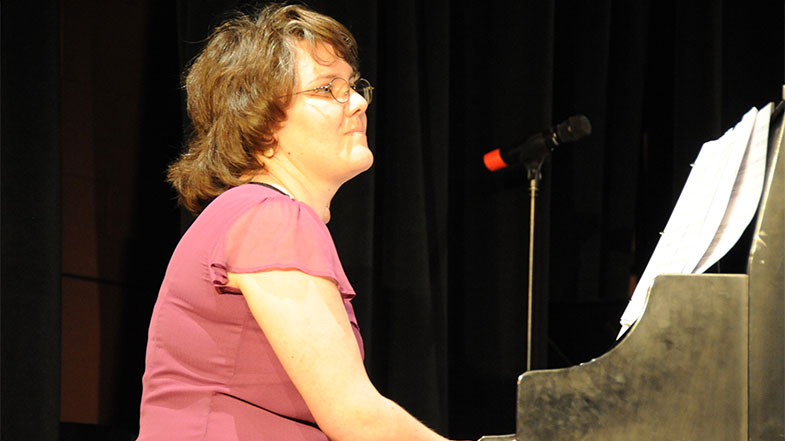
{"points": [[705, 362]]}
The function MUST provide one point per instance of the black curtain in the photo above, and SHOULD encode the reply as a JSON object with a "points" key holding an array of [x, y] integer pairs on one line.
{"points": [[435, 245], [30, 234]]}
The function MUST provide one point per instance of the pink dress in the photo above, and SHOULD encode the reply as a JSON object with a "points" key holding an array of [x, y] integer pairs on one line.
{"points": [[210, 373]]}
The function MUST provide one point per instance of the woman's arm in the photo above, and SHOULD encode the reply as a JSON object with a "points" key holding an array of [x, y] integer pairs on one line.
{"points": [[304, 319]]}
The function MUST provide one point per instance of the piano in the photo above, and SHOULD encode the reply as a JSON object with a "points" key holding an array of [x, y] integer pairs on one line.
{"points": [[705, 361]]}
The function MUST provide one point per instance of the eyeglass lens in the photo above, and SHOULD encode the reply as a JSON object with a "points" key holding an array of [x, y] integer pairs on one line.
{"points": [[341, 90]]}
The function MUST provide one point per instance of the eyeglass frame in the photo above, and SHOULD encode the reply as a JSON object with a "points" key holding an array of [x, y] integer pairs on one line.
{"points": [[329, 87]]}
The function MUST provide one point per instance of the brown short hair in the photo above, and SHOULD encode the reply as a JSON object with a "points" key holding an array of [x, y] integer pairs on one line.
{"points": [[238, 89]]}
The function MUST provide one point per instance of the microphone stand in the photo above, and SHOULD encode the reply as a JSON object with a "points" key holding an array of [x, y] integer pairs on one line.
{"points": [[534, 175], [532, 153]]}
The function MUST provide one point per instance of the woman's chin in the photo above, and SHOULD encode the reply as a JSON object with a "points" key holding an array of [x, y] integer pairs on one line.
{"points": [[363, 157], [361, 162], [368, 160]]}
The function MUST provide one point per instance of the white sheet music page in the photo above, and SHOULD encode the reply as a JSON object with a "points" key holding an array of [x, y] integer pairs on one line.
{"points": [[745, 195], [700, 212]]}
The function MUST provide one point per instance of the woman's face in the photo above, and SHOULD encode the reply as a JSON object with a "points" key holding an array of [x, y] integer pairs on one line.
{"points": [[324, 139]]}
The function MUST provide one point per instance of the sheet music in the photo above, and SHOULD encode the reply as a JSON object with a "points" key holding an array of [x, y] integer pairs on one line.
{"points": [[709, 215], [745, 195]]}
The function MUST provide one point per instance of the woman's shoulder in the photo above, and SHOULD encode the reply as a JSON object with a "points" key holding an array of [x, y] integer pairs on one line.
{"points": [[230, 205], [240, 199], [261, 205], [271, 231]]}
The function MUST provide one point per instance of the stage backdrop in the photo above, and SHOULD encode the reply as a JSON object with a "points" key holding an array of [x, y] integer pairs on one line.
{"points": [[435, 245]]}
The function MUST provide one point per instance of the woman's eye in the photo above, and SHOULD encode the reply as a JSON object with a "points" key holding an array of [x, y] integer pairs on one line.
{"points": [[325, 90]]}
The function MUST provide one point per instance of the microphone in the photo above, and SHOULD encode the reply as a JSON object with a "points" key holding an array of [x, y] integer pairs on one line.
{"points": [[537, 146]]}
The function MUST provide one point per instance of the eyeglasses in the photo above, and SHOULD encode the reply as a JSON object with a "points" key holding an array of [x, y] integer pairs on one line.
{"points": [[341, 89]]}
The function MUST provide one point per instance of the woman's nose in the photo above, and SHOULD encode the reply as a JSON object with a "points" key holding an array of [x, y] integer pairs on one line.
{"points": [[356, 103]]}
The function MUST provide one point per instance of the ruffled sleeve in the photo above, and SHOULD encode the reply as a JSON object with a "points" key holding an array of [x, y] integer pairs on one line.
{"points": [[277, 233]]}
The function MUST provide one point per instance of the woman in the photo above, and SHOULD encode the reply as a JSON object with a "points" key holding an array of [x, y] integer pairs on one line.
{"points": [[253, 336]]}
